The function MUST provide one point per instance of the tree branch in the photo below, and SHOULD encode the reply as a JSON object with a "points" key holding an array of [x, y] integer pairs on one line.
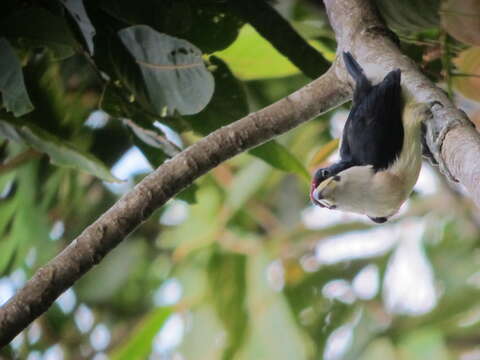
{"points": [[153, 191]]}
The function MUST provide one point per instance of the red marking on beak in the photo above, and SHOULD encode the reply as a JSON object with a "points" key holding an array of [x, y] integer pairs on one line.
{"points": [[312, 198]]}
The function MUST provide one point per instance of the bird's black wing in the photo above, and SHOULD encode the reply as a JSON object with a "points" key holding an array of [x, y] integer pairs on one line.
{"points": [[362, 84], [373, 134]]}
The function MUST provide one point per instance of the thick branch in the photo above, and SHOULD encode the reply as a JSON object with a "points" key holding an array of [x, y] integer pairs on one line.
{"points": [[452, 138], [153, 191]]}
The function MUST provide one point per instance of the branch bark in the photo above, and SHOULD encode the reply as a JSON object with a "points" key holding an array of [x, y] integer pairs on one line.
{"points": [[359, 30]]}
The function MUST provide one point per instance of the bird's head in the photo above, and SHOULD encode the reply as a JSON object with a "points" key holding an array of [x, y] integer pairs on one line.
{"points": [[351, 190], [323, 188]]}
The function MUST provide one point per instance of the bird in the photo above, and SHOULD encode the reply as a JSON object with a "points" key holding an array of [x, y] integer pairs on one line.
{"points": [[380, 149]]}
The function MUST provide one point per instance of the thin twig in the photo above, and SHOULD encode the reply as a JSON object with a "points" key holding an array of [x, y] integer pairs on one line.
{"points": [[19, 160]]}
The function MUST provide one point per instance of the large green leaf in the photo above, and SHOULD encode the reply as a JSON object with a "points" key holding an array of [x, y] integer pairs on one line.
{"points": [[77, 10], [61, 153], [139, 345], [280, 158], [14, 94], [229, 301], [173, 72], [36, 27]]}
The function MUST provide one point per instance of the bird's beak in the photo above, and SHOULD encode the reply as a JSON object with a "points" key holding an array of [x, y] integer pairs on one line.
{"points": [[316, 194]]}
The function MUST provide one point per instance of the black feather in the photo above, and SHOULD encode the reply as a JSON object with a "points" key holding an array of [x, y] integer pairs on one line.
{"points": [[373, 134]]}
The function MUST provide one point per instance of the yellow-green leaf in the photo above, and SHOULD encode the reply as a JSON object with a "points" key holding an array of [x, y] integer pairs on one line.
{"points": [[461, 19], [468, 80], [252, 57], [139, 345]]}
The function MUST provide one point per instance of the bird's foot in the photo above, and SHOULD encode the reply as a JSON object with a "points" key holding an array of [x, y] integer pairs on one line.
{"points": [[432, 138]]}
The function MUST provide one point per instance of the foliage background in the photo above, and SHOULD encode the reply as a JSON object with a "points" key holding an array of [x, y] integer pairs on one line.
{"points": [[240, 265]]}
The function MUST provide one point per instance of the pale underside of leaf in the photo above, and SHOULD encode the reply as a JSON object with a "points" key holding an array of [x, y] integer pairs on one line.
{"points": [[61, 153]]}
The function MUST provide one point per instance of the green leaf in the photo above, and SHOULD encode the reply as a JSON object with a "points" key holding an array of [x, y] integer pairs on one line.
{"points": [[274, 333], [252, 57], [379, 349], [7, 212], [14, 94], [280, 158], [77, 10], [246, 184], [25, 219], [422, 344], [139, 345], [8, 247], [229, 301], [173, 74], [201, 341], [201, 227], [228, 104], [61, 153], [36, 27]]}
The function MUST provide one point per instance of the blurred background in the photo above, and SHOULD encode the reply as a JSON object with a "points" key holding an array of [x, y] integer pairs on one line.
{"points": [[240, 265]]}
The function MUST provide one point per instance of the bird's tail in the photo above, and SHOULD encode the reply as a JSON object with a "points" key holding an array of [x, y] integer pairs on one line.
{"points": [[355, 70]]}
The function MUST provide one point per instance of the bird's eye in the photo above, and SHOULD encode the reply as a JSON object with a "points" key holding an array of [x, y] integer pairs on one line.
{"points": [[325, 173]]}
